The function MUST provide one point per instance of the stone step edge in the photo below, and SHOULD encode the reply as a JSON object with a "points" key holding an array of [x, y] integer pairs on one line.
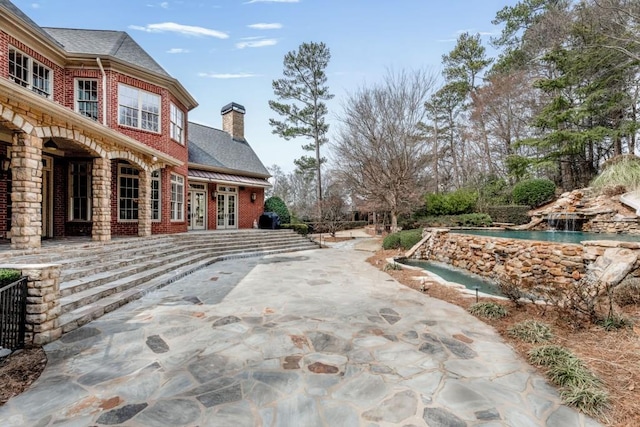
{"points": [[81, 316], [99, 278]]}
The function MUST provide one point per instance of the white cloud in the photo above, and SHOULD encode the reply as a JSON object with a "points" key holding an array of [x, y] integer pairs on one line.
{"points": [[164, 5], [227, 75], [272, 1], [187, 30], [178, 50], [35, 5], [264, 26], [257, 43]]}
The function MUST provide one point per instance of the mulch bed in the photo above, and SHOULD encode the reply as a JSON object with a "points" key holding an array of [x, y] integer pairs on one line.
{"points": [[19, 370]]}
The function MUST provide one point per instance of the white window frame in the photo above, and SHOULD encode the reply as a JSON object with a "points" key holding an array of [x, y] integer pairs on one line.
{"points": [[123, 173], [138, 117], [32, 79], [72, 198], [78, 101], [177, 198], [176, 129], [156, 190]]}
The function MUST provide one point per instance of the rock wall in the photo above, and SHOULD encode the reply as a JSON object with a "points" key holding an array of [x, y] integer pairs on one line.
{"points": [[539, 263]]}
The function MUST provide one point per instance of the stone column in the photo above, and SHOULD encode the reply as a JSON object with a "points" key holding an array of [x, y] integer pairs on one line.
{"points": [[101, 188], [26, 194], [144, 204]]}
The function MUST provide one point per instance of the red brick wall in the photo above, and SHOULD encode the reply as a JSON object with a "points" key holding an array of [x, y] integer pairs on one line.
{"points": [[166, 226], [249, 211]]}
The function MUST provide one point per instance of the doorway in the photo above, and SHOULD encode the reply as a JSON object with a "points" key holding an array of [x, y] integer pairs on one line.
{"points": [[47, 197], [227, 208], [197, 207]]}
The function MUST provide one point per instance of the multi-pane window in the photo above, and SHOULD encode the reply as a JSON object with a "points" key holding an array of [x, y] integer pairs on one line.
{"points": [[87, 98], [177, 198], [128, 192], [80, 191], [155, 195], [138, 109], [29, 73], [177, 124]]}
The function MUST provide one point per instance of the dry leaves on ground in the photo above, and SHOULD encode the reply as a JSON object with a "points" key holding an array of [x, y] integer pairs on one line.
{"points": [[19, 370], [614, 356]]}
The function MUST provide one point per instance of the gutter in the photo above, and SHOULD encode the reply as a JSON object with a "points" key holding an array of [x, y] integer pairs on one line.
{"points": [[104, 92]]}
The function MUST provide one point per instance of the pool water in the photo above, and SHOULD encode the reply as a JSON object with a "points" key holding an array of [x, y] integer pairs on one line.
{"points": [[552, 236], [455, 275]]}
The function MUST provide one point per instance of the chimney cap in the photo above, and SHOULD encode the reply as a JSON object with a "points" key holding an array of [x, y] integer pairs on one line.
{"points": [[233, 107]]}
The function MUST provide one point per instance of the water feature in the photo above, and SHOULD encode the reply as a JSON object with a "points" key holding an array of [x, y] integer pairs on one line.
{"points": [[455, 275], [564, 221], [552, 236]]}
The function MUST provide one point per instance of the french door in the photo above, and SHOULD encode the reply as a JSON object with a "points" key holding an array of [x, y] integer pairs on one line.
{"points": [[227, 208], [197, 207]]}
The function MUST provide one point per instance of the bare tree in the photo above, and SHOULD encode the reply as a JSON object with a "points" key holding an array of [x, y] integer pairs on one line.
{"points": [[382, 152]]}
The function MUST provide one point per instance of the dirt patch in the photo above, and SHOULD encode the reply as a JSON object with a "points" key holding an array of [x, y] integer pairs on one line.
{"points": [[19, 370], [614, 356]]}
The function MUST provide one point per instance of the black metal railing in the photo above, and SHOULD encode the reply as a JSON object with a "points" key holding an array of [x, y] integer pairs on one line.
{"points": [[13, 314]]}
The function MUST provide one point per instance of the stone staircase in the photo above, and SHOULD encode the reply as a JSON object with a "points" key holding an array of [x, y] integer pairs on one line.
{"points": [[97, 278]]}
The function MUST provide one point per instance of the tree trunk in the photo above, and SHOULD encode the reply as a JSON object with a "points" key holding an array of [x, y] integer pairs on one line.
{"points": [[394, 222]]}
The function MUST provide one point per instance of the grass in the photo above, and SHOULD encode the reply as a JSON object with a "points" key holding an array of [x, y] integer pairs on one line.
{"points": [[489, 310], [580, 388], [625, 171], [531, 331], [615, 322]]}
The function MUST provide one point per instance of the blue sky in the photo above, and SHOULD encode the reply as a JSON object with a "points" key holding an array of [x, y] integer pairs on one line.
{"points": [[231, 50]]}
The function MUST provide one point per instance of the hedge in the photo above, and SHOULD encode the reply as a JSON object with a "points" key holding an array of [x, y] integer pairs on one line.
{"points": [[454, 203], [298, 228], [404, 239], [534, 192], [8, 276], [514, 214]]}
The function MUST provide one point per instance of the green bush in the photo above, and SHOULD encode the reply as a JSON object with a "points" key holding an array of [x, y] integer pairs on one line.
{"points": [[489, 310], [513, 214], [475, 220], [534, 192], [464, 220], [404, 239], [298, 228], [275, 204], [8, 276], [531, 331], [494, 191], [455, 203]]}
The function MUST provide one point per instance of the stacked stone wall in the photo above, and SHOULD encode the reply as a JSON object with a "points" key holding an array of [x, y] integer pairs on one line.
{"points": [[536, 262]]}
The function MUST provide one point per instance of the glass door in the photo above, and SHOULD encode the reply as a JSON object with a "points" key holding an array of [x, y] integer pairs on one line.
{"points": [[227, 208], [197, 207]]}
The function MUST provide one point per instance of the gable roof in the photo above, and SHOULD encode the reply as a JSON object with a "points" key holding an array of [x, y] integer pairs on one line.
{"points": [[215, 148], [117, 44]]}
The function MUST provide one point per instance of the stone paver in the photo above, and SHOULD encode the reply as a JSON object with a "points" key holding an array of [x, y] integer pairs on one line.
{"points": [[315, 338]]}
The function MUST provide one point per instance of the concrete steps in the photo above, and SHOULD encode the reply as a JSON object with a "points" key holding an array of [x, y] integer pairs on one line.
{"points": [[98, 278]]}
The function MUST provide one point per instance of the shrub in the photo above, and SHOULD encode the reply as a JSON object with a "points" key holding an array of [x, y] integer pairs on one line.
{"points": [[514, 214], [277, 205], [404, 239], [8, 276], [627, 292], [531, 331], [494, 191], [489, 310], [548, 355], [298, 228], [464, 220], [457, 202], [475, 220], [392, 266], [614, 322], [592, 401], [534, 192]]}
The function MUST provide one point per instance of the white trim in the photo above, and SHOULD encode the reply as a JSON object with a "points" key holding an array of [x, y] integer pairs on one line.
{"points": [[28, 84], [157, 179], [180, 114], [140, 93], [135, 177], [76, 92], [181, 211]]}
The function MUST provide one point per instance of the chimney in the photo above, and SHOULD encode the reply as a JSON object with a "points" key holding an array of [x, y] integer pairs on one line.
{"points": [[233, 120]]}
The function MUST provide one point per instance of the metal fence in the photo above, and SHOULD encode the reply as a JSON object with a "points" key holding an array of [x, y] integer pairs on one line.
{"points": [[13, 314]]}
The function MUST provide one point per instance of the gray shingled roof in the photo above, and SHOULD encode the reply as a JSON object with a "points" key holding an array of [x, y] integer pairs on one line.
{"points": [[20, 14], [216, 148], [117, 44]]}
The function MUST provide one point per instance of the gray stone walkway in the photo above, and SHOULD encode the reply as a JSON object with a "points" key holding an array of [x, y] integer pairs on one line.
{"points": [[316, 338]]}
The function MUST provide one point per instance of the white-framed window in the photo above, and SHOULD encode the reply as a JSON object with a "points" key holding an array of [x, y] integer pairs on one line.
{"points": [[138, 108], [86, 97], [177, 124], [79, 191], [29, 73], [155, 195], [177, 198], [128, 192]]}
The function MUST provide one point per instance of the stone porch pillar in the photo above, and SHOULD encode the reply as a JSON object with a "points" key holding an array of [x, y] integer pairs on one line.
{"points": [[101, 206], [144, 204], [26, 194]]}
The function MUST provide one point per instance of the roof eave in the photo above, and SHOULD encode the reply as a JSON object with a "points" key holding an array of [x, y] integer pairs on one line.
{"points": [[193, 165], [75, 120], [136, 71]]}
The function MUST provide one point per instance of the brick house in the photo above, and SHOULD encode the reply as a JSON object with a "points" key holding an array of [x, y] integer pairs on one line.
{"points": [[95, 141]]}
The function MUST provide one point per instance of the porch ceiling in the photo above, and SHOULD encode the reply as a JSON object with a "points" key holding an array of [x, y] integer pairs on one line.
{"points": [[228, 178]]}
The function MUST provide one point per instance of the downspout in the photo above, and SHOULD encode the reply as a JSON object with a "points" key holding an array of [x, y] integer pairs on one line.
{"points": [[104, 92]]}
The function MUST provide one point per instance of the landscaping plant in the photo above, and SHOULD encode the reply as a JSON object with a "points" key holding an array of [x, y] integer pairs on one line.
{"points": [[489, 310]]}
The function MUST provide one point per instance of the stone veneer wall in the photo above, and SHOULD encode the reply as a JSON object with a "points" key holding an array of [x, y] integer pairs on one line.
{"points": [[549, 263], [43, 302]]}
